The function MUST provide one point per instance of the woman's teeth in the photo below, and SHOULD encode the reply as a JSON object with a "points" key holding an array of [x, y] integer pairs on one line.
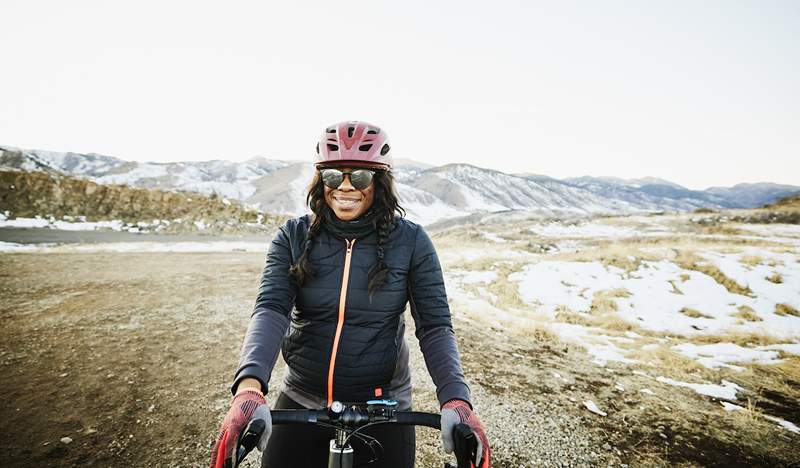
{"points": [[347, 202]]}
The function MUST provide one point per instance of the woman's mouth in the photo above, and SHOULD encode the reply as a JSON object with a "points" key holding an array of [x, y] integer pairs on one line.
{"points": [[346, 202]]}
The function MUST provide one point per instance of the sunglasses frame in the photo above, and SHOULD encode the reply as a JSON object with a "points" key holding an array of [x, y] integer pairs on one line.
{"points": [[347, 173]]}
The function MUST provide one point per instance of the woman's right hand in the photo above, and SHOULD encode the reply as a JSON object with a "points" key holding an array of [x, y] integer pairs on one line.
{"points": [[243, 407]]}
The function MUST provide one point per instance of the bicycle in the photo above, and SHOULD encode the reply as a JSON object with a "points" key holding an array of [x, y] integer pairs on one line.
{"points": [[348, 420]]}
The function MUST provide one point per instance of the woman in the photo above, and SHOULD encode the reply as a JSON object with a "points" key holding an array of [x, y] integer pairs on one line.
{"points": [[339, 281]]}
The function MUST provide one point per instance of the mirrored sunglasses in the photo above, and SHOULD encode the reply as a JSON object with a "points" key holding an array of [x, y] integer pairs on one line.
{"points": [[359, 178]]}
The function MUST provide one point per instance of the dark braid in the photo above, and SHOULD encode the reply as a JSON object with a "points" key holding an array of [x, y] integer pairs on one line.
{"points": [[385, 203], [315, 199]]}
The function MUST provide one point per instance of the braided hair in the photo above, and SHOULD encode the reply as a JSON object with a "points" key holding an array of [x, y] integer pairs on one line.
{"points": [[385, 204]]}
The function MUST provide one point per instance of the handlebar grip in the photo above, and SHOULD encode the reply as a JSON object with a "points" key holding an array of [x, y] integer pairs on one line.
{"points": [[416, 418], [293, 416]]}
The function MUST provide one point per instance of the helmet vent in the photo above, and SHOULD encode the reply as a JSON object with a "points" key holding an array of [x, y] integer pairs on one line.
{"points": [[384, 150], [372, 131], [317, 147], [333, 147], [330, 130], [366, 147], [350, 131]]}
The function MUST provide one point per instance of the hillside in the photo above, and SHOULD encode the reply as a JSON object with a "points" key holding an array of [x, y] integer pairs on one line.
{"points": [[429, 194], [54, 196], [788, 203]]}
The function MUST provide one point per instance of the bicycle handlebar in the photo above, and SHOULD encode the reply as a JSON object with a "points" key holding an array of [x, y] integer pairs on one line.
{"points": [[351, 417], [344, 417]]}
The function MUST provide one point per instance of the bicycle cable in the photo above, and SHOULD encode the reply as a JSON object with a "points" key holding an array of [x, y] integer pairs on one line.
{"points": [[371, 443], [355, 432]]}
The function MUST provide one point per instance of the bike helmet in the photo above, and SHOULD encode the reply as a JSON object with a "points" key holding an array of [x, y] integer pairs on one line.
{"points": [[354, 142]]}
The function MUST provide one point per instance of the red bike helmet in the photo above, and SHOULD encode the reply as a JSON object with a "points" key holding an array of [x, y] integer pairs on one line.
{"points": [[354, 142]]}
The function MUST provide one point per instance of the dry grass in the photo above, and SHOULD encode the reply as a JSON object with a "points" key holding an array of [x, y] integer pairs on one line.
{"points": [[564, 314], [604, 309], [625, 255], [786, 309], [507, 291], [694, 313], [539, 333], [602, 305], [602, 314], [614, 322], [747, 313], [675, 289], [775, 262], [775, 278], [749, 414], [673, 364], [744, 339], [781, 377], [690, 261], [719, 229], [751, 260], [481, 264]]}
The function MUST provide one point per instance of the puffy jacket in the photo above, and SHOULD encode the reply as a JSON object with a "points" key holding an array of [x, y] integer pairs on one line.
{"points": [[338, 342]]}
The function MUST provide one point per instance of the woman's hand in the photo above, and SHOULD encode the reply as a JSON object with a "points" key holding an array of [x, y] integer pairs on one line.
{"points": [[459, 411], [244, 404]]}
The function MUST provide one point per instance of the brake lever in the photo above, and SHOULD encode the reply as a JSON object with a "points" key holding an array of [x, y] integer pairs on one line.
{"points": [[466, 446], [248, 440]]}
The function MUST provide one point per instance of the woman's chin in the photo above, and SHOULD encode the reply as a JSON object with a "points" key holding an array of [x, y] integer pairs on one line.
{"points": [[347, 213]]}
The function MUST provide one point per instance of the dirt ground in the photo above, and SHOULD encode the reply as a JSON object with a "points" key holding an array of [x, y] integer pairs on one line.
{"points": [[130, 355]]}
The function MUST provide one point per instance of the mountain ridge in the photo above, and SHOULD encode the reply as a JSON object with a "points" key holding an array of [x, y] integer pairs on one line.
{"points": [[429, 194]]}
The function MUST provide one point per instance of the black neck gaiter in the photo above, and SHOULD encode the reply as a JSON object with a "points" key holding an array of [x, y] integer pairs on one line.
{"points": [[357, 228]]}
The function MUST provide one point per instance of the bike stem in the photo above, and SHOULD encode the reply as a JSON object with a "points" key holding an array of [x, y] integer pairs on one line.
{"points": [[340, 455]]}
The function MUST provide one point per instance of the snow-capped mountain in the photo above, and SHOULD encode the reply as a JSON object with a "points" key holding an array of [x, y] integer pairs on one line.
{"points": [[225, 178], [669, 195], [428, 194]]}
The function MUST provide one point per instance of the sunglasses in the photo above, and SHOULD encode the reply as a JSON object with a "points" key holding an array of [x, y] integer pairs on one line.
{"points": [[359, 179]]}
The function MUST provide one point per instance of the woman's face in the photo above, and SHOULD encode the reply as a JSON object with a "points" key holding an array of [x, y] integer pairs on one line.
{"points": [[347, 202]]}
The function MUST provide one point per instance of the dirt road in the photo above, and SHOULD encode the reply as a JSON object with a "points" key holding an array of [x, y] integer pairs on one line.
{"points": [[130, 356]]}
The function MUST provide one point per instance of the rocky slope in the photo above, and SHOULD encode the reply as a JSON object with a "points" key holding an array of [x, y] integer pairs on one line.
{"points": [[26, 194]]}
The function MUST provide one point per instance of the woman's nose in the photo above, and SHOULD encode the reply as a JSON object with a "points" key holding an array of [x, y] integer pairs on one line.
{"points": [[345, 185]]}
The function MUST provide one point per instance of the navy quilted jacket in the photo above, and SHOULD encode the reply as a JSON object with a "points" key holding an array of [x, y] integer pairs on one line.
{"points": [[339, 343]]}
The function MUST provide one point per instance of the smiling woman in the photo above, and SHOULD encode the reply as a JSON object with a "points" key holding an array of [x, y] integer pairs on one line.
{"points": [[332, 298], [348, 192]]}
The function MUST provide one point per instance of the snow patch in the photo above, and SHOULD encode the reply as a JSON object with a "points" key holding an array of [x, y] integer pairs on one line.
{"points": [[494, 237], [725, 391], [714, 356], [14, 247], [472, 277], [661, 296], [145, 246], [25, 223], [570, 284], [591, 406], [789, 426]]}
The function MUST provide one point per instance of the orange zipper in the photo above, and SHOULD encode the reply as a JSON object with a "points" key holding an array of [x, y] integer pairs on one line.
{"points": [[340, 323]]}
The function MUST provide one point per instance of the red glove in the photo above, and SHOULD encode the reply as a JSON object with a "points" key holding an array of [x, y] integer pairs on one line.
{"points": [[458, 411], [242, 408]]}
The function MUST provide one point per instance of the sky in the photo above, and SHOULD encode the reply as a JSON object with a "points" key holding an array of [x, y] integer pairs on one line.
{"points": [[700, 93]]}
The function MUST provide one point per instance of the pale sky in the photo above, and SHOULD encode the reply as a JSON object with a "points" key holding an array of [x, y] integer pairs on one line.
{"points": [[701, 93]]}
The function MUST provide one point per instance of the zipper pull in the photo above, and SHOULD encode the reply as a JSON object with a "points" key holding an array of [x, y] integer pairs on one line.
{"points": [[350, 245]]}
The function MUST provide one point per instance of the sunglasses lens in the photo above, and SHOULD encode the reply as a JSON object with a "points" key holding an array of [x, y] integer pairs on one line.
{"points": [[361, 179], [333, 178]]}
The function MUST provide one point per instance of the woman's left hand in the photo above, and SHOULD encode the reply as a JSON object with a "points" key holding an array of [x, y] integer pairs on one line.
{"points": [[459, 411]]}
